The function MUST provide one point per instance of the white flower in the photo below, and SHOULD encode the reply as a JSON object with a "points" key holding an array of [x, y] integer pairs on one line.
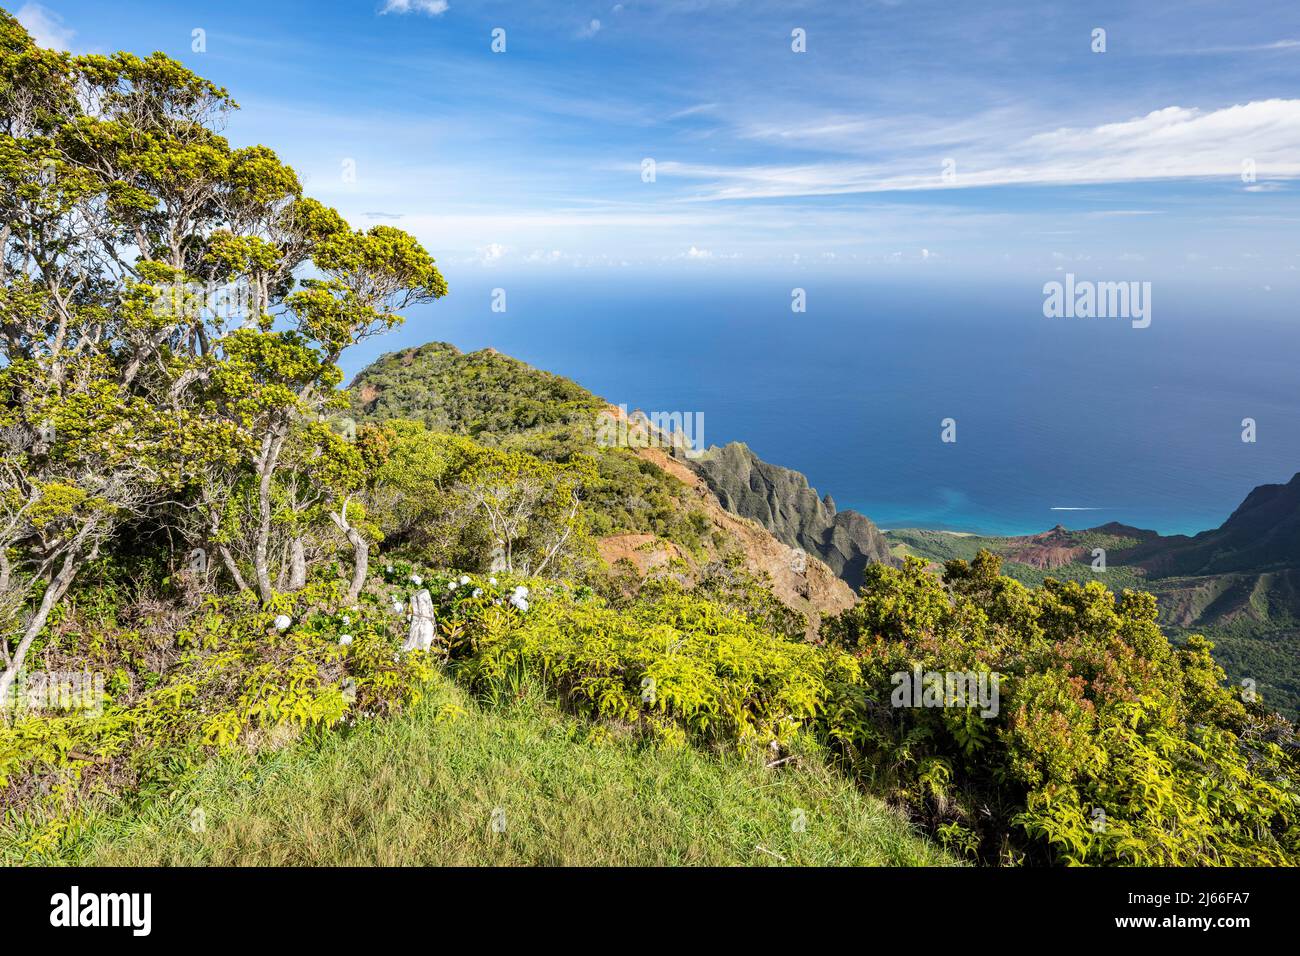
{"points": [[345, 639], [478, 592], [416, 580], [397, 607], [451, 585], [520, 592], [464, 579], [389, 569], [346, 620], [282, 622], [492, 580], [519, 601]]}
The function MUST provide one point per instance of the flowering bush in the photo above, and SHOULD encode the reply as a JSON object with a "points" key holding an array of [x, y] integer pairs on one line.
{"points": [[232, 675]]}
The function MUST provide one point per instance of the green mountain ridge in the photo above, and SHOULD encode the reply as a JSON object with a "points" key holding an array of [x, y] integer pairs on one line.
{"points": [[1239, 584], [484, 394]]}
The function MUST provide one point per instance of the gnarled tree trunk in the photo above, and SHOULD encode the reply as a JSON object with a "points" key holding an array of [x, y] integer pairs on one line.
{"points": [[265, 464], [58, 587], [360, 550]]}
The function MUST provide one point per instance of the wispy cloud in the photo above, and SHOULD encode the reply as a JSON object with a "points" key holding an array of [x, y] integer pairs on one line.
{"points": [[1274, 46], [535, 158], [696, 110], [433, 8], [1172, 143]]}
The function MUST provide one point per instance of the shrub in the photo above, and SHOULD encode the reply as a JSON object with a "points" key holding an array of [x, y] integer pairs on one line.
{"points": [[676, 665], [725, 582], [1108, 746]]}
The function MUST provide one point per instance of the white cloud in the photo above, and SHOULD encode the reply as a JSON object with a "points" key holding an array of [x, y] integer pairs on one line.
{"points": [[653, 231], [1171, 143], [46, 27], [590, 30], [434, 8]]}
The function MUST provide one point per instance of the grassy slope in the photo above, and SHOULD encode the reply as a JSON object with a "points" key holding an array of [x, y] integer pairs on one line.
{"points": [[421, 789]]}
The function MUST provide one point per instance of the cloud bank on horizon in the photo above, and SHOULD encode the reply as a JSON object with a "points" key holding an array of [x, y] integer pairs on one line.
{"points": [[715, 134]]}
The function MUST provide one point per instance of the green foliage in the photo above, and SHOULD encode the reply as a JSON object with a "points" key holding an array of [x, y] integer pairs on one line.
{"points": [[457, 503], [422, 790], [726, 583], [221, 680], [1108, 745], [128, 393], [679, 666], [484, 395], [633, 495], [501, 402], [1252, 617]]}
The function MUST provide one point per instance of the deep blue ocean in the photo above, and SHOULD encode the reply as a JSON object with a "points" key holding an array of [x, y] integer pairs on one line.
{"points": [[1141, 426]]}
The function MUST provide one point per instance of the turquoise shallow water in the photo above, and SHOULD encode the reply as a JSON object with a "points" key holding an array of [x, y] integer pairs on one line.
{"points": [[1141, 426]]}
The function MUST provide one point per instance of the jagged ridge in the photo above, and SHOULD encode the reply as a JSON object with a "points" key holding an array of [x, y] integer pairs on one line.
{"points": [[782, 501]]}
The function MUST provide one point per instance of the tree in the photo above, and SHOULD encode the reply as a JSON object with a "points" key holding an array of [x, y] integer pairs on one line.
{"points": [[529, 509], [468, 505], [268, 379], [128, 387]]}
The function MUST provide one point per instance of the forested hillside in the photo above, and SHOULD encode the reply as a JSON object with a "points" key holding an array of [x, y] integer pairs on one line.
{"points": [[1238, 584]]}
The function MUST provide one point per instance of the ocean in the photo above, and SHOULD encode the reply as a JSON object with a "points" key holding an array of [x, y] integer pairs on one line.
{"points": [[1057, 420]]}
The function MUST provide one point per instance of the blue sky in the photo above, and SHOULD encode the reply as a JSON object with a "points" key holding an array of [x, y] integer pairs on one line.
{"points": [[1124, 164]]}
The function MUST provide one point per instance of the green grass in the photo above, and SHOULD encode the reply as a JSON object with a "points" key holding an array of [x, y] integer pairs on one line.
{"points": [[421, 789], [939, 546]]}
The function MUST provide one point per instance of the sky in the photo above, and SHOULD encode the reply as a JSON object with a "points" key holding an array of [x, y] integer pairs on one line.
{"points": [[936, 140]]}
